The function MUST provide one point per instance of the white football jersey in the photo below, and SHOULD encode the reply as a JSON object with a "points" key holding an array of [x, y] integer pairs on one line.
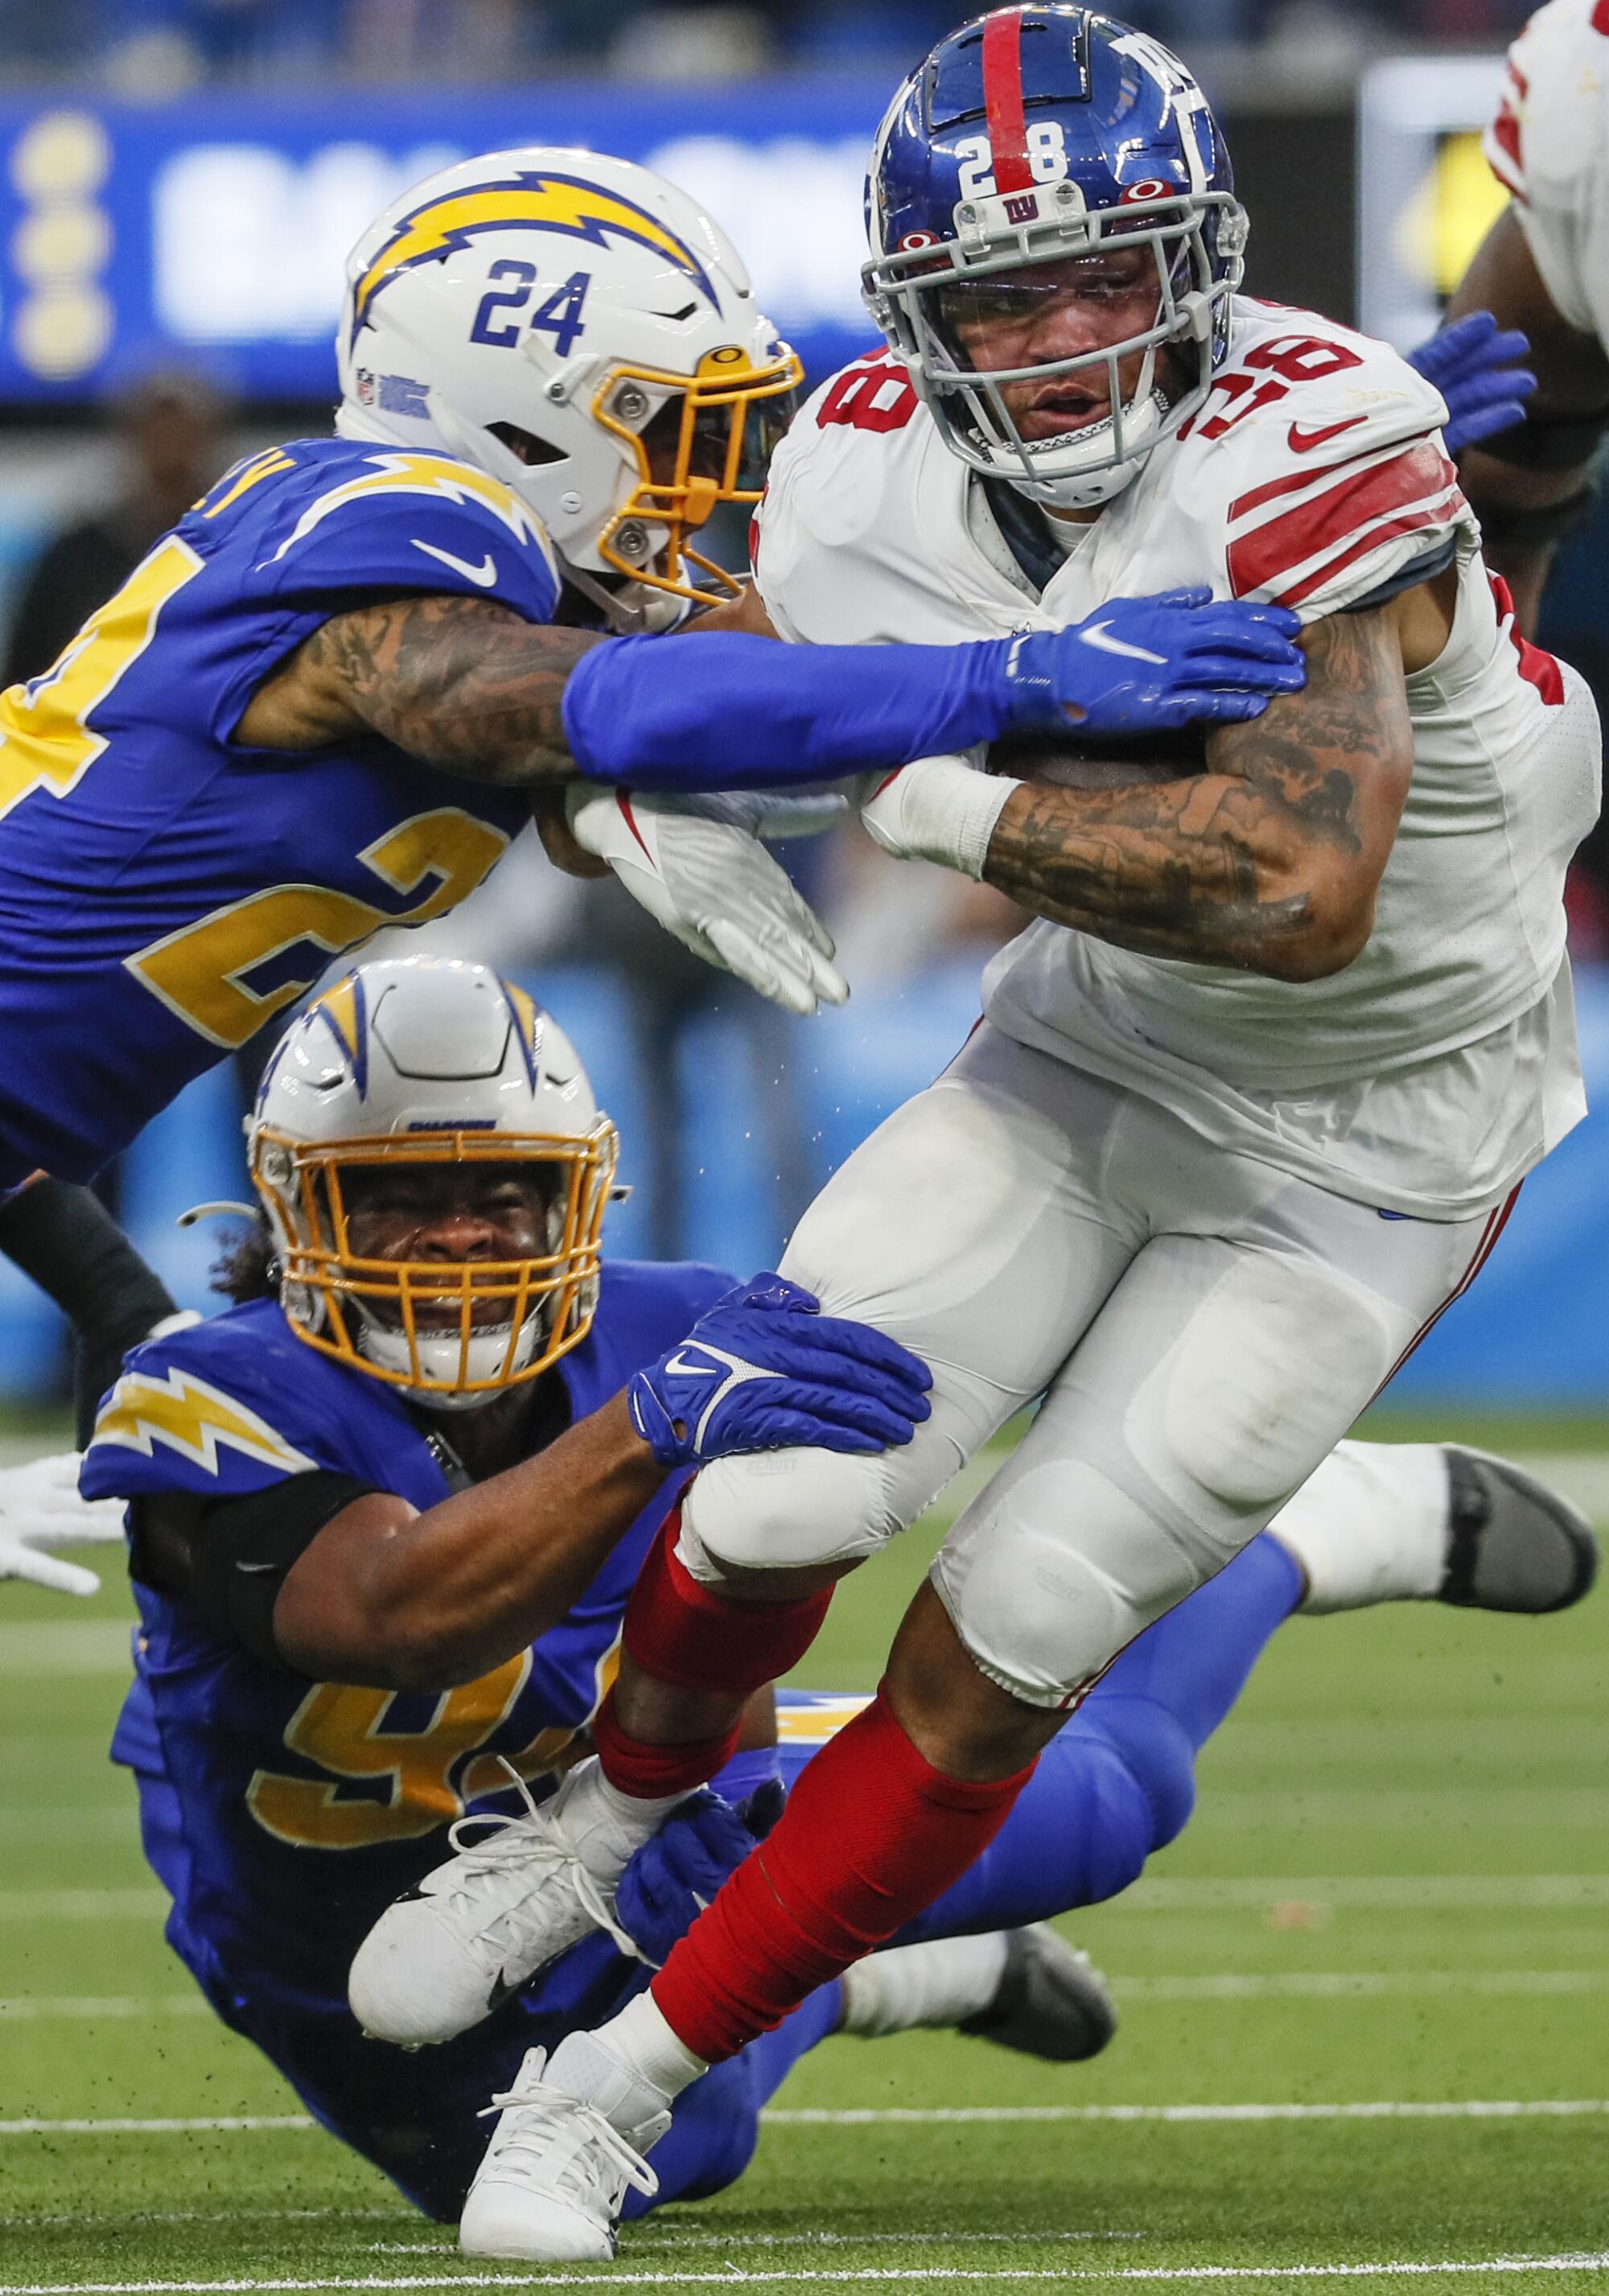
{"points": [[1550, 144], [1435, 1070]]}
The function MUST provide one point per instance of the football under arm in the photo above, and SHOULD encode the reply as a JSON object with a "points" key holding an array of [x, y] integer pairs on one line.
{"points": [[388, 1597], [1268, 861], [1528, 486]]}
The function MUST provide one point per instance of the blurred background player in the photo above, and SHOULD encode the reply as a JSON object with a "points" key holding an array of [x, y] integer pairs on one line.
{"points": [[385, 1513]]}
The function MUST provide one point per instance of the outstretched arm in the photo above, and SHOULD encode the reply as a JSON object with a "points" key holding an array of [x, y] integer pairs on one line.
{"points": [[462, 683], [469, 687]]}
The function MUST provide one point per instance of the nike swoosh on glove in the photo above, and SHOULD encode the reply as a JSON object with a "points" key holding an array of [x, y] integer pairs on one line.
{"points": [[1478, 373], [697, 866], [765, 1370], [1150, 665], [677, 1873]]}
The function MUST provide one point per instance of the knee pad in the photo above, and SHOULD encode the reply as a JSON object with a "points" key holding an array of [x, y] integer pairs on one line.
{"points": [[1266, 1375], [1046, 1585], [784, 1511]]}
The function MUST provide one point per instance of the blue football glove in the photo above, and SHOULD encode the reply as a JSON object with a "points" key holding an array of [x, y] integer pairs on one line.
{"points": [[674, 1876], [1477, 372], [764, 1370], [1152, 665]]}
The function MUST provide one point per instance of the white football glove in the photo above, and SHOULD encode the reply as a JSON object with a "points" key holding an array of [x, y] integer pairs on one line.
{"points": [[697, 866], [40, 1507]]}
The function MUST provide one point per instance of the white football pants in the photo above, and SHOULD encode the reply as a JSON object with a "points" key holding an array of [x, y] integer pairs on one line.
{"points": [[1203, 1329]]}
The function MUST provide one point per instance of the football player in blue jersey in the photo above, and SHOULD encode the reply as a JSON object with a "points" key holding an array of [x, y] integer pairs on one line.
{"points": [[326, 702], [331, 698], [384, 1516]]}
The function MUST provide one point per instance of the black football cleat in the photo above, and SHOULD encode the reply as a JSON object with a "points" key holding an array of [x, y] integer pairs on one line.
{"points": [[1051, 2001], [1515, 1545]]}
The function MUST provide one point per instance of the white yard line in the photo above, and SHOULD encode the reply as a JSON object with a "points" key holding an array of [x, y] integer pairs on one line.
{"points": [[1314, 1985], [1378, 1893], [1327, 1984], [223, 2123], [82, 1905], [679, 2236], [1363, 1893], [102, 2007], [735, 2276], [860, 2116], [1451, 2109]]}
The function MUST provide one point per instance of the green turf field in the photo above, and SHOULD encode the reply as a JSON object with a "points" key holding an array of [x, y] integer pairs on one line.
{"points": [[1391, 1911]]}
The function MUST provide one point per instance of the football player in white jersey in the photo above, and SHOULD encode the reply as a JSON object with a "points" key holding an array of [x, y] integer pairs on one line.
{"points": [[1544, 266], [1250, 1100]]}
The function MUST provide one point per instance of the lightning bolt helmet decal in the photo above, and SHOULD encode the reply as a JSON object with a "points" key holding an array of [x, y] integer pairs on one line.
{"points": [[528, 200]]}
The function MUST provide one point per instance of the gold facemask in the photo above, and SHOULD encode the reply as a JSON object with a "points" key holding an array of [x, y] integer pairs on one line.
{"points": [[693, 454], [335, 1300]]}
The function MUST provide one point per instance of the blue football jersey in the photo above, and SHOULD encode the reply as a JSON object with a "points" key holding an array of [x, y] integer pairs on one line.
{"points": [[282, 1815], [164, 890]]}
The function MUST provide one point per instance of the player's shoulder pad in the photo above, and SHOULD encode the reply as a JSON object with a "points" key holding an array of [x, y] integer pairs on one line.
{"points": [[646, 1306], [1316, 464], [845, 477], [362, 518], [1546, 135], [229, 1406], [1548, 144]]}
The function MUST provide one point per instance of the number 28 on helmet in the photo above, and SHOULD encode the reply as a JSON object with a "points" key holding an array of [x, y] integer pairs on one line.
{"points": [[1032, 151]]}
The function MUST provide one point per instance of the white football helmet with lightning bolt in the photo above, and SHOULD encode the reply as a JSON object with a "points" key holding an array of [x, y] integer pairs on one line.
{"points": [[580, 329]]}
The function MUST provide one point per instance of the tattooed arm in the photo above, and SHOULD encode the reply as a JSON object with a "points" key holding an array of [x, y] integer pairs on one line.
{"points": [[460, 682], [1270, 859]]}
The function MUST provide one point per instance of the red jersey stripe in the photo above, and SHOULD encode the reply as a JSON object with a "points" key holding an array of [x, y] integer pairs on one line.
{"points": [[1436, 515], [1321, 474], [1327, 520], [1002, 100]]}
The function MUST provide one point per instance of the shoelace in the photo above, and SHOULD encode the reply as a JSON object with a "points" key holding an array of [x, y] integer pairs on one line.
{"points": [[548, 2107], [516, 1841]]}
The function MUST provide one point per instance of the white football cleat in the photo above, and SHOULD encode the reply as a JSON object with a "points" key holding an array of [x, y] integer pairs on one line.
{"points": [[567, 2145], [453, 1948]]}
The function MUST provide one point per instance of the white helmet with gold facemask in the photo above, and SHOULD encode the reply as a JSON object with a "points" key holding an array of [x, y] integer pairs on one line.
{"points": [[426, 1062], [580, 329]]}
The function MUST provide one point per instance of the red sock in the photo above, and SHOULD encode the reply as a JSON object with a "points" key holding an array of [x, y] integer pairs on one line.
{"points": [[871, 1835], [693, 1638]]}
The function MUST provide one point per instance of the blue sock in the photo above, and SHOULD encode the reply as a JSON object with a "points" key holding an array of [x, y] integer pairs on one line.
{"points": [[1120, 1781], [712, 2140]]}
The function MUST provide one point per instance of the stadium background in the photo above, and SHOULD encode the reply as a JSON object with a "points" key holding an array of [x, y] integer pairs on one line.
{"points": [[179, 180], [1363, 1996]]}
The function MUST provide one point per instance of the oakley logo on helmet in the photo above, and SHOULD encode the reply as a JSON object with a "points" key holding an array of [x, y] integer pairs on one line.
{"points": [[526, 201]]}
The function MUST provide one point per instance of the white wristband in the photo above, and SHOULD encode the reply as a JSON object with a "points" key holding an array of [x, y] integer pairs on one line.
{"points": [[938, 809]]}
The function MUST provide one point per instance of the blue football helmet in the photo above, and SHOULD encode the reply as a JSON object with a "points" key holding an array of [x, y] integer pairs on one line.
{"points": [[1032, 136]]}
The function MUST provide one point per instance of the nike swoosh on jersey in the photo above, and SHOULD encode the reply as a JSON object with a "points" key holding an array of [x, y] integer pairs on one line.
{"points": [[1096, 635], [484, 576], [1302, 442]]}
